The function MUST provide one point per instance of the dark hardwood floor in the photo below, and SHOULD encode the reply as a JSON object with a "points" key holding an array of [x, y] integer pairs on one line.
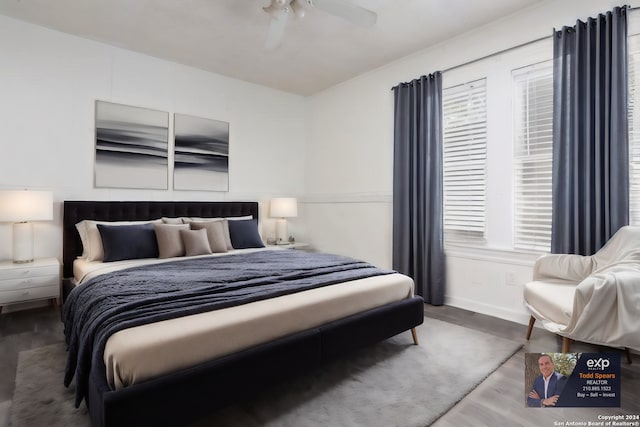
{"points": [[497, 402], [19, 331]]}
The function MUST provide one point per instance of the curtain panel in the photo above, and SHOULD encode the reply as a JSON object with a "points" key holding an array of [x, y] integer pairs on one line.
{"points": [[590, 137], [418, 234]]}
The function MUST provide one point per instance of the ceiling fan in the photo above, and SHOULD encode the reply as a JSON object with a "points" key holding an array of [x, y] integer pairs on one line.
{"points": [[281, 10]]}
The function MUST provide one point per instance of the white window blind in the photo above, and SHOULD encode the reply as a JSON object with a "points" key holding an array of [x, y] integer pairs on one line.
{"points": [[464, 109], [633, 47], [533, 134]]}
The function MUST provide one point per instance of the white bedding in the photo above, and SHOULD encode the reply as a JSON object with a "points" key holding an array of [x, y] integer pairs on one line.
{"points": [[137, 354]]}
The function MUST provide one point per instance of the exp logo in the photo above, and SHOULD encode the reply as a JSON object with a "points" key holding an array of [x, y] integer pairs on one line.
{"points": [[600, 364]]}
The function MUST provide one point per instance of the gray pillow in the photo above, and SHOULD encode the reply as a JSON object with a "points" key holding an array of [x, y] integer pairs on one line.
{"points": [[195, 242], [215, 234], [169, 240], [225, 231]]}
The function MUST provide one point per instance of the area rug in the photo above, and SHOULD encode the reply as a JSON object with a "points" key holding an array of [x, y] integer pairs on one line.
{"points": [[393, 383]]}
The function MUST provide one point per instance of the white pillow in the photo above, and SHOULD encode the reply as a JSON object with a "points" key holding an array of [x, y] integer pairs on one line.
{"points": [[187, 219], [177, 220], [239, 218], [82, 231], [92, 242]]}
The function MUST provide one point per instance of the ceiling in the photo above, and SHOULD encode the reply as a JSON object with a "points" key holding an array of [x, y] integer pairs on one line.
{"points": [[228, 36]]}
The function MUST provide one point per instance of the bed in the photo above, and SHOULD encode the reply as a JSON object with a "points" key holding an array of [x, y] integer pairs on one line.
{"points": [[182, 396]]}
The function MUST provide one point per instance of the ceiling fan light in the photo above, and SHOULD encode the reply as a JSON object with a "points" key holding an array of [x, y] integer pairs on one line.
{"points": [[300, 13], [298, 8], [276, 7]]}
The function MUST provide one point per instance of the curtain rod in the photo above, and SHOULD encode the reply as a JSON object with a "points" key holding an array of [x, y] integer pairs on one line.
{"points": [[500, 52]]}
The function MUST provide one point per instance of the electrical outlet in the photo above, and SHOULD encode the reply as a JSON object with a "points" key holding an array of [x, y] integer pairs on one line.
{"points": [[510, 278]]}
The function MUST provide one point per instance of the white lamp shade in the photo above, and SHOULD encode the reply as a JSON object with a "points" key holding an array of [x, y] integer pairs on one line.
{"points": [[284, 207], [21, 206]]}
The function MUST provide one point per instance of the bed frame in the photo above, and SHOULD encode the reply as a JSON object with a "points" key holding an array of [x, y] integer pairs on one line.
{"points": [[183, 397]]}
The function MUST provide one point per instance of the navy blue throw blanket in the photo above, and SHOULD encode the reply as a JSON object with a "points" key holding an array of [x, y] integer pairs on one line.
{"points": [[140, 295]]}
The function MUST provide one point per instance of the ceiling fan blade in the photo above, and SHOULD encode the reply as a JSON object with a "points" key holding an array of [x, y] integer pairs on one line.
{"points": [[349, 11], [276, 28]]}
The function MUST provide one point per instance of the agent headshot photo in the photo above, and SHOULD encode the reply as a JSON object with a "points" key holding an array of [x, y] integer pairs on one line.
{"points": [[547, 386]]}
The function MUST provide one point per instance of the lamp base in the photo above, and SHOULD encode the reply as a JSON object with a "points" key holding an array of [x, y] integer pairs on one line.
{"points": [[282, 234], [22, 243]]}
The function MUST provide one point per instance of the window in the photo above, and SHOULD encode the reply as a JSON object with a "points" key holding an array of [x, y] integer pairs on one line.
{"points": [[464, 109], [533, 135], [634, 129]]}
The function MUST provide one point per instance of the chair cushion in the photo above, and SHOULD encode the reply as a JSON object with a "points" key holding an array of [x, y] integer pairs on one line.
{"points": [[552, 300]]}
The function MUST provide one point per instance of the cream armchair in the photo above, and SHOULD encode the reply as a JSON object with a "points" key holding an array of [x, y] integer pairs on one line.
{"points": [[593, 299]]}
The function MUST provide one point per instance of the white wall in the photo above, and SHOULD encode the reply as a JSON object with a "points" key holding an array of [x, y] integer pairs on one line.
{"points": [[350, 155], [49, 82]]}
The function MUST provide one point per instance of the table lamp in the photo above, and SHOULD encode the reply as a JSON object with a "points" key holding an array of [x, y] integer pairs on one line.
{"points": [[21, 207], [283, 208]]}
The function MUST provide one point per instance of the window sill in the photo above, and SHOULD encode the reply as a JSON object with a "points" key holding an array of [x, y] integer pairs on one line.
{"points": [[504, 256]]}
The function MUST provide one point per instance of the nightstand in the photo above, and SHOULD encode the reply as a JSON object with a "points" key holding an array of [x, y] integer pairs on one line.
{"points": [[32, 281], [297, 245]]}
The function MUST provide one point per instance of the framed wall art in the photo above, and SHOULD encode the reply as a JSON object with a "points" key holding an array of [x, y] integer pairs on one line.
{"points": [[201, 154], [132, 145]]}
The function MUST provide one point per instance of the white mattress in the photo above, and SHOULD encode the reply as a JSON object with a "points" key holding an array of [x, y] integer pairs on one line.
{"points": [[144, 352]]}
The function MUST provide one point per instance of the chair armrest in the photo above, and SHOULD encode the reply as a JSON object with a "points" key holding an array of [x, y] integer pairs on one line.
{"points": [[574, 268]]}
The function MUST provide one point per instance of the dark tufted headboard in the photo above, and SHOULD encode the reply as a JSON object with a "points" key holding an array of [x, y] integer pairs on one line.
{"points": [[76, 211]]}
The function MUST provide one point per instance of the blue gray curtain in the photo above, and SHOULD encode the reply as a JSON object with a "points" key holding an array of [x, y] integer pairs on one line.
{"points": [[418, 235], [590, 140]]}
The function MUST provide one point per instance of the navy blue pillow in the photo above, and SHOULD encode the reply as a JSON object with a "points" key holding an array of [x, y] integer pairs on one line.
{"points": [[128, 241], [244, 234]]}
